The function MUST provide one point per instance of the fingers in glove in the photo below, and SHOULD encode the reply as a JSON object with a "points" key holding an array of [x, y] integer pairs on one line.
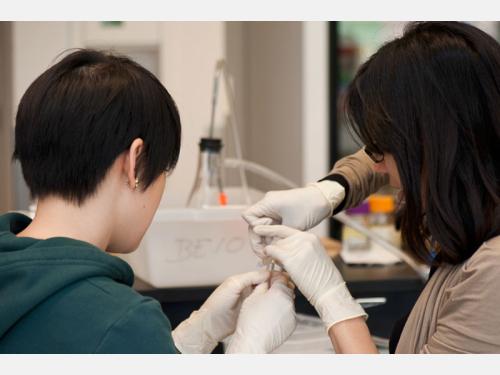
{"points": [[283, 278], [276, 252], [259, 289], [244, 280], [259, 214], [298, 240], [279, 231], [289, 282], [244, 294], [279, 287], [257, 243], [263, 221], [278, 276]]}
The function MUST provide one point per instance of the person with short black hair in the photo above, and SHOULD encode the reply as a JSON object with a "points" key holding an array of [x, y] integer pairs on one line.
{"points": [[96, 135]]}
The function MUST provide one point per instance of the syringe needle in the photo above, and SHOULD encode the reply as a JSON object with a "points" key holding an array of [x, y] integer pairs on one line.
{"points": [[271, 269]]}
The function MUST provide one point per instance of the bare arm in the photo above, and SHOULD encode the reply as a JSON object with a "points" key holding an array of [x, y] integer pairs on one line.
{"points": [[352, 336]]}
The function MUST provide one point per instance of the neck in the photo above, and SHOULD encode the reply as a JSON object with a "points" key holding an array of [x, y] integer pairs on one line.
{"points": [[90, 222]]}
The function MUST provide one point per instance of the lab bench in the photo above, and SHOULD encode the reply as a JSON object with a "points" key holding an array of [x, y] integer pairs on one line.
{"points": [[398, 284]]}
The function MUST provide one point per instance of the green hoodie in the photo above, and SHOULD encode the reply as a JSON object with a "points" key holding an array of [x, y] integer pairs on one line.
{"points": [[66, 296]]}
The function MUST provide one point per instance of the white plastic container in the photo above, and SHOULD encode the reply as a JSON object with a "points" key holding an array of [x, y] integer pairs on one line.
{"points": [[193, 247]]}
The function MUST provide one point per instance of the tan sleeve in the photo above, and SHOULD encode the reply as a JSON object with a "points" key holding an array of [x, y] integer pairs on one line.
{"points": [[469, 321], [357, 169]]}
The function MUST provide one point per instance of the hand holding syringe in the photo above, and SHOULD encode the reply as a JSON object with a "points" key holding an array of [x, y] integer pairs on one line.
{"points": [[272, 266]]}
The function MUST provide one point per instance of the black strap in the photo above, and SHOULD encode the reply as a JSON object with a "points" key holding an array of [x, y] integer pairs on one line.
{"points": [[342, 181]]}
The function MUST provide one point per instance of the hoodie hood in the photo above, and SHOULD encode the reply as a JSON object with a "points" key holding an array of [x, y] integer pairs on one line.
{"points": [[32, 270]]}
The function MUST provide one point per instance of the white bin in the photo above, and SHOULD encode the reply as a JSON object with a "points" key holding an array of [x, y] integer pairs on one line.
{"points": [[193, 247]]}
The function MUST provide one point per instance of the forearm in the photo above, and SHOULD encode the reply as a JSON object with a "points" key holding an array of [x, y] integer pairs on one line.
{"points": [[352, 336], [355, 173]]}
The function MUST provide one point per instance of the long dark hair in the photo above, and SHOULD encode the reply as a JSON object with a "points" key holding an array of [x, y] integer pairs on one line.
{"points": [[431, 99]]}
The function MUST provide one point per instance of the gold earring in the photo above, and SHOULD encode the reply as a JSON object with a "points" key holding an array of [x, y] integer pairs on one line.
{"points": [[136, 183]]}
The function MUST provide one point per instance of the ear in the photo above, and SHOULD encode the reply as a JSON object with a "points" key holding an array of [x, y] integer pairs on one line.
{"points": [[130, 162]]}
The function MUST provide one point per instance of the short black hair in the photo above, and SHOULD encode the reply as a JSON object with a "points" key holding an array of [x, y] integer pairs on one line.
{"points": [[78, 116], [431, 99]]}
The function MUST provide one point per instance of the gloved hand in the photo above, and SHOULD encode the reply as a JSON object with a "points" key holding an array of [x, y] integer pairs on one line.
{"points": [[216, 318], [301, 208], [267, 319], [305, 259]]}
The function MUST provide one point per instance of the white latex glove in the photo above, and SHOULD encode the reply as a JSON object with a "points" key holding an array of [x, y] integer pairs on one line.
{"points": [[216, 319], [305, 259], [267, 318], [301, 208]]}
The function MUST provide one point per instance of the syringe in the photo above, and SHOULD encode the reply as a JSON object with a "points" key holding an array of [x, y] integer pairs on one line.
{"points": [[270, 267]]}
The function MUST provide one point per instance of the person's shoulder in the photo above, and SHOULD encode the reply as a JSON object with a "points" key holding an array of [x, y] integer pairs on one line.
{"points": [[134, 323], [487, 257], [116, 299], [114, 292], [482, 268], [468, 320], [142, 328], [492, 243], [99, 299]]}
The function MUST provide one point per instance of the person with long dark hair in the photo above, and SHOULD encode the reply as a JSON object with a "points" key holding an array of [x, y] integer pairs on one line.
{"points": [[427, 107]]}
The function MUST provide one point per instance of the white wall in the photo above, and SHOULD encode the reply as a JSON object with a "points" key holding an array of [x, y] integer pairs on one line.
{"points": [[6, 201], [281, 74], [273, 86], [35, 45], [315, 112], [189, 51]]}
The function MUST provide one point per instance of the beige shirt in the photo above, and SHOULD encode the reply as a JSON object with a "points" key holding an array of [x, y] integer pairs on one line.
{"points": [[357, 169], [459, 309]]}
